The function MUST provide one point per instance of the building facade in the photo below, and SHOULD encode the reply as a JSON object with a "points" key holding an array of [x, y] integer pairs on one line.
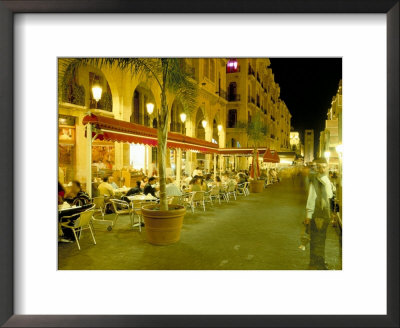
{"points": [[230, 93], [331, 137], [308, 146]]}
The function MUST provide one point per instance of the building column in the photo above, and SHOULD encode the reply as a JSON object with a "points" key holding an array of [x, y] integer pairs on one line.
{"points": [[148, 162], [215, 166], [89, 159], [189, 163], [207, 164], [178, 165]]}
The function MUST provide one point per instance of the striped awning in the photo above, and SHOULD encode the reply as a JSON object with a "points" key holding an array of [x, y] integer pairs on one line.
{"points": [[111, 129]]}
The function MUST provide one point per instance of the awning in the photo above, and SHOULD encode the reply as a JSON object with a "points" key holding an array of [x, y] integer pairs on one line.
{"points": [[240, 151], [275, 156], [268, 157], [121, 131], [287, 157]]}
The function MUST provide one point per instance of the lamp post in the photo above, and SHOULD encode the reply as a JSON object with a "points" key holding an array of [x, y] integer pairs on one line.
{"points": [[96, 91]]}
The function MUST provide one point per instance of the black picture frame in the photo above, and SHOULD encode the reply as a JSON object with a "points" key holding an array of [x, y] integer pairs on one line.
{"points": [[7, 10]]}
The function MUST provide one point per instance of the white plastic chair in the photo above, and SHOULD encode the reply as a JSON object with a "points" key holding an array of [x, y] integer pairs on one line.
{"points": [[231, 191], [215, 194], [120, 207], [196, 198], [80, 224]]}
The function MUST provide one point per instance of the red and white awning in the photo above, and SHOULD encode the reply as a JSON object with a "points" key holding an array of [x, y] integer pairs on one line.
{"points": [[111, 129]]}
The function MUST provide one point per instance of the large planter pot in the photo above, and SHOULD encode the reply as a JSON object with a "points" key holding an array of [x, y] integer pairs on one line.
{"points": [[163, 227], [257, 186]]}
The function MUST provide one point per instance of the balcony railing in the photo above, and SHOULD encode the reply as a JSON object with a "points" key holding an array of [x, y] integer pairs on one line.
{"points": [[233, 97]]}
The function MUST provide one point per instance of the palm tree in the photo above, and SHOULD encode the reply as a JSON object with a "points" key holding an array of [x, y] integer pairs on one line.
{"points": [[171, 76], [256, 131]]}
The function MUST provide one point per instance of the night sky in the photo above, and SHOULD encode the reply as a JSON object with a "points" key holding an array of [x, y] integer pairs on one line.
{"points": [[307, 87]]}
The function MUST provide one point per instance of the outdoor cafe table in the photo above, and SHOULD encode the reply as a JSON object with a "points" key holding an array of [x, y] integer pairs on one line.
{"points": [[122, 190], [141, 198], [72, 210]]}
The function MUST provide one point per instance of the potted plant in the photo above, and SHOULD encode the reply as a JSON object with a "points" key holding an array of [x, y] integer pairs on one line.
{"points": [[256, 131], [163, 221]]}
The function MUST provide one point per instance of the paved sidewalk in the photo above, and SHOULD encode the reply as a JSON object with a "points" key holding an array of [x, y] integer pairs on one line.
{"points": [[258, 232]]}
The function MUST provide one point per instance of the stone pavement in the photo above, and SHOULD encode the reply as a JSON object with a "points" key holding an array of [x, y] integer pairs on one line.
{"points": [[258, 232]]}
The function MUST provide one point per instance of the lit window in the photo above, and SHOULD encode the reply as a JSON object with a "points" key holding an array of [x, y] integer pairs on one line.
{"points": [[232, 66]]}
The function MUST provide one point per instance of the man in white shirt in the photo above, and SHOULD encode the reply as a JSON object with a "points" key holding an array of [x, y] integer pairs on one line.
{"points": [[318, 214], [172, 189], [105, 188]]}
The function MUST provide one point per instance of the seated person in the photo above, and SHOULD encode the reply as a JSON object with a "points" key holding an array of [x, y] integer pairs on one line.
{"points": [[204, 186], [150, 187], [208, 178], [172, 189], [61, 193], [135, 190], [241, 178], [76, 195], [195, 184], [105, 188]]}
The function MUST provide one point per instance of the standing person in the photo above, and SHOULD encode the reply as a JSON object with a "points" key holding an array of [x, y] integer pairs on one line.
{"points": [[318, 214]]}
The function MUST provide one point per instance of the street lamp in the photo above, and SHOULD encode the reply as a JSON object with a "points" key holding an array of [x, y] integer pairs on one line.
{"points": [[150, 108], [204, 123], [219, 127], [183, 119], [97, 91]]}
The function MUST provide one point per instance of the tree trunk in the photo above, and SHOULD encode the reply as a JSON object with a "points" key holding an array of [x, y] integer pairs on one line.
{"points": [[255, 163], [162, 151]]}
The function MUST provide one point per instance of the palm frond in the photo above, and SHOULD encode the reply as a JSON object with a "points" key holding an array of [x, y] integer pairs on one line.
{"points": [[180, 83]]}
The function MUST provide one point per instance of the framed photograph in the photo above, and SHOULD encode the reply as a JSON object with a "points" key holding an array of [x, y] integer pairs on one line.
{"points": [[218, 164]]}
